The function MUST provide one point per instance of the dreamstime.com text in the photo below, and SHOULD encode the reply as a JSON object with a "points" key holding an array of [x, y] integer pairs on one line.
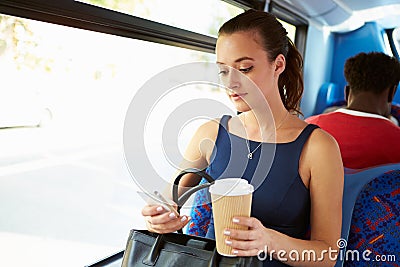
{"points": [[332, 254]]}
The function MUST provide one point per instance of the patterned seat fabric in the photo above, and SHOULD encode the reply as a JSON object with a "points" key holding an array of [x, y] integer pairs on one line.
{"points": [[395, 111], [200, 213], [375, 223]]}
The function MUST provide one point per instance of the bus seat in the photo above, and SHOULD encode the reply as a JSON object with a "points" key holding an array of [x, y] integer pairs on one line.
{"points": [[327, 94], [395, 112], [354, 182], [200, 213], [374, 224]]}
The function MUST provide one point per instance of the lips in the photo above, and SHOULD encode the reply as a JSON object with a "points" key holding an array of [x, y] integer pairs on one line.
{"points": [[237, 95]]}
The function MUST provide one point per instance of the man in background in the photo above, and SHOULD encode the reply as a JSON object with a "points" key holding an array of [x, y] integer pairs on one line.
{"points": [[365, 135]]}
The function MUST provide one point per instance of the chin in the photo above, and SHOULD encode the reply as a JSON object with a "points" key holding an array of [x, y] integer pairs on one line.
{"points": [[240, 108]]}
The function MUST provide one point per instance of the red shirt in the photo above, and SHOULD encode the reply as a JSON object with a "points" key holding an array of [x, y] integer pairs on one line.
{"points": [[364, 139]]}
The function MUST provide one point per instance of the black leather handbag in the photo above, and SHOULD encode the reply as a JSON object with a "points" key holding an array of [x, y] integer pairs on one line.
{"points": [[144, 248], [175, 249]]}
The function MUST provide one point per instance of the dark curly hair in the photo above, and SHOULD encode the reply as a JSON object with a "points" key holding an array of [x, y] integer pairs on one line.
{"points": [[373, 72], [274, 40]]}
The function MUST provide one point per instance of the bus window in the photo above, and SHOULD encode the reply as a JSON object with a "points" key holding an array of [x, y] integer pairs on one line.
{"points": [[207, 14], [65, 188]]}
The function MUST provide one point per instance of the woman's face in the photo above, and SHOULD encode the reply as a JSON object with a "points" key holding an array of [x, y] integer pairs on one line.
{"points": [[241, 58]]}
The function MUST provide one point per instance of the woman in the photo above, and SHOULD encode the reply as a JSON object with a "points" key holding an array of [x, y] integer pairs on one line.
{"points": [[303, 187]]}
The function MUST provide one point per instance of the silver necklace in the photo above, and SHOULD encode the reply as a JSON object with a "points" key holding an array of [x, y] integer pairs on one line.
{"points": [[250, 154]]}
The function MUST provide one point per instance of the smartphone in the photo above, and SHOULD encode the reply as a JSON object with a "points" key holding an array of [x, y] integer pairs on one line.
{"points": [[157, 198]]}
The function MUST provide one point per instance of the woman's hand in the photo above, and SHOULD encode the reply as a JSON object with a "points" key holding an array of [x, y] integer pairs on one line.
{"points": [[159, 220], [249, 242]]}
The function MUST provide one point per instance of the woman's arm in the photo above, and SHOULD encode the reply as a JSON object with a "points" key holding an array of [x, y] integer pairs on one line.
{"points": [[197, 156], [322, 161], [198, 153]]}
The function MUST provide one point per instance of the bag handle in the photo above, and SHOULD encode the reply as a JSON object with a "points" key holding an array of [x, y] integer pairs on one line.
{"points": [[214, 259], [182, 199], [185, 196], [152, 257]]}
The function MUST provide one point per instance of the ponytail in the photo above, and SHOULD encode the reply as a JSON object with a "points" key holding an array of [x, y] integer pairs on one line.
{"points": [[291, 80]]}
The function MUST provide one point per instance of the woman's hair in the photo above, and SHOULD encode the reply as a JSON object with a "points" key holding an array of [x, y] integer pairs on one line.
{"points": [[372, 72], [272, 36]]}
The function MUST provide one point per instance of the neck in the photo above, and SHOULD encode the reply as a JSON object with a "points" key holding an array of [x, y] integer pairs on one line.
{"points": [[370, 103], [270, 114], [265, 121]]}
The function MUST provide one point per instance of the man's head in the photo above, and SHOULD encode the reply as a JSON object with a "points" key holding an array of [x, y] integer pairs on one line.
{"points": [[372, 72], [372, 81]]}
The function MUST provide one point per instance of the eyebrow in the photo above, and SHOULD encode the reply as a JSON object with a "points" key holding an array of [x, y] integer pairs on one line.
{"points": [[239, 60]]}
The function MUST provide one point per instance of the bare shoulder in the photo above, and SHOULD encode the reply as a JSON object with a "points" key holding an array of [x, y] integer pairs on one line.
{"points": [[321, 154], [198, 151], [205, 137], [321, 141], [209, 128]]}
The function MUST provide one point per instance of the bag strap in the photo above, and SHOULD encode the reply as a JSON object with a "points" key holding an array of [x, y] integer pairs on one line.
{"points": [[154, 252], [182, 199], [185, 196], [214, 260]]}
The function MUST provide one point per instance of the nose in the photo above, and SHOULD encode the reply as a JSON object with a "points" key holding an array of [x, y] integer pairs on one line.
{"points": [[231, 80]]}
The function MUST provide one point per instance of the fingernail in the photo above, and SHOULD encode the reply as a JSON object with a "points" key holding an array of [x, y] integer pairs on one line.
{"points": [[228, 242], [235, 252], [227, 232], [172, 215], [189, 218], [184, 218], [235, 220], [159, 208]]}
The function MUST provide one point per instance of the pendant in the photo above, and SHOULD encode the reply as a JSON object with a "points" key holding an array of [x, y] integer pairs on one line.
{"points": [[250, 155]]}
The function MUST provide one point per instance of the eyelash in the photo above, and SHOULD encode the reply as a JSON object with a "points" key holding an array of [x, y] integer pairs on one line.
{"points": [[246, 70]]}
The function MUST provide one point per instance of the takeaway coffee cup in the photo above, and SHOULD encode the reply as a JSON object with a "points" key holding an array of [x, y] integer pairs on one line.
{"points": [[230, 197]]}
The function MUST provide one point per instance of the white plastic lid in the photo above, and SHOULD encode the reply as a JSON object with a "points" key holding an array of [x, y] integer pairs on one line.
{"points": [[231, 187]]}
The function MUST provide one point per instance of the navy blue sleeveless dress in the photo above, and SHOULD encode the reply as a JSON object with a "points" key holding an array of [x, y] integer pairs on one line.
{"points": [[280, 199]]}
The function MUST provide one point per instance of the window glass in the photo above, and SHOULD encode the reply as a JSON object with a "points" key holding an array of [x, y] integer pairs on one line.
{"points": [[396, 39], [205, 16], [388, 50], [65, 191], [291, 29]]}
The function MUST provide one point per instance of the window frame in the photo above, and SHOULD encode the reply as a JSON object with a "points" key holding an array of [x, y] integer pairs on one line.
{"points": [[247, 4], [393, 47], [89, 17], [300, 23], [84, 16]]}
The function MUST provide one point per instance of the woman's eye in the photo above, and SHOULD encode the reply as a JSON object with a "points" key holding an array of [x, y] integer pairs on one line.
{"points": [[246, 70], [223, 72]]}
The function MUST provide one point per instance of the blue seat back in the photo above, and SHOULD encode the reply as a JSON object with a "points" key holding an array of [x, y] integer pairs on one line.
{"points": [[327, 95], [374, 224], [354, 182], [200, 213]]}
